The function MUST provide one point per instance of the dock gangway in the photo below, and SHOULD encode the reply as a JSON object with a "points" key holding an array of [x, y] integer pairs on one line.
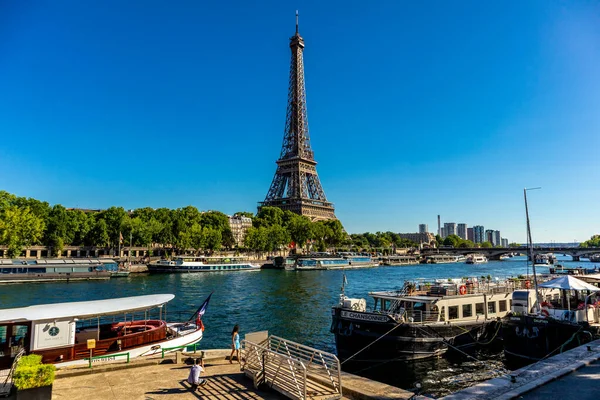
{"points": [[292, 369]]}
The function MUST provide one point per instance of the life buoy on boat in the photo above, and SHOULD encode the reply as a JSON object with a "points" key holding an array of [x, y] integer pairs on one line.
{"points": [[527, 284], [462, 290], [545, 312]]}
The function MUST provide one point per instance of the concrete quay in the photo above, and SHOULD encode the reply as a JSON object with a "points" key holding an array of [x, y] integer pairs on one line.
{"points": [[157, 378], [572, 374]]}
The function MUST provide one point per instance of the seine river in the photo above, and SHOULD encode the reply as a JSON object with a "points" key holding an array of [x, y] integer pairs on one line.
{"points": [[294, 305]]}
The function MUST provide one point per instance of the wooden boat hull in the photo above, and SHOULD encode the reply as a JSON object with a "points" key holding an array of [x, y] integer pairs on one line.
{"points": [[146, 350]]}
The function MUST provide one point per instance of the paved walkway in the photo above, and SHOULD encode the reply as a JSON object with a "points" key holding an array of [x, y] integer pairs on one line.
{"points": [[225, 381], [582, 384], [566, 373]]}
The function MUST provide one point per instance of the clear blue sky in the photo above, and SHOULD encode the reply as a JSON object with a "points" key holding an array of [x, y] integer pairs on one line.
{"points": [[415, 108]]}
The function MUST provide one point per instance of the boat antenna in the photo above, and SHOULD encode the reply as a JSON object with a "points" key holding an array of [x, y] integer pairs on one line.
{"points": [[343, 288], [531, 257]]}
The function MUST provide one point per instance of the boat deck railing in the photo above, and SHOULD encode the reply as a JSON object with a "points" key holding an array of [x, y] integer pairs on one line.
{"points": [[416, 316], [292, 369]]}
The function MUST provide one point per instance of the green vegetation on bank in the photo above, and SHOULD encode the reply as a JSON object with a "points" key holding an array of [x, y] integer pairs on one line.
{"points": [[27, 222], [593, 242]]}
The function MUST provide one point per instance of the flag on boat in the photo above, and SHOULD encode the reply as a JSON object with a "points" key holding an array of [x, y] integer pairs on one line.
{"points": [[198, 314], [120, 237], [345, 280]]}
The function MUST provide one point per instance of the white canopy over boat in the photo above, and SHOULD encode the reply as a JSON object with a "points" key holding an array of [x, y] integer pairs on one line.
{"points": [[568, 282], [84, 309]]}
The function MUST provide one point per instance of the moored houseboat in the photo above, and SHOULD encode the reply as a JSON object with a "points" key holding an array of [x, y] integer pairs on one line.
{"points": [[309, 263], [421, 320], [563, 313], [181, 264], [359, 260], [555, 316], [61, 332], [56, 269]]}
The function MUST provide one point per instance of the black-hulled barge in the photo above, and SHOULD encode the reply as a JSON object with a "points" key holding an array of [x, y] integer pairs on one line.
{"points": [[419, 321]]}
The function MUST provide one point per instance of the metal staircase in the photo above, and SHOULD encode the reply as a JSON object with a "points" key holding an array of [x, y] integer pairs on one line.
{"points": [[292, 369]]}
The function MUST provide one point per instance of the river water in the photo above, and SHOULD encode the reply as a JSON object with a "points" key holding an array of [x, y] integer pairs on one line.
{"points": [[291, 304]]}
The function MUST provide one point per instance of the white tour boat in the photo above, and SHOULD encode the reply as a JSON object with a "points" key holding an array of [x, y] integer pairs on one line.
{"points": [[476, 259], [202, 264], [61, 332]]}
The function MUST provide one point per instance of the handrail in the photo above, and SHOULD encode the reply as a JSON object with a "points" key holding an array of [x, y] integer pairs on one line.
{"points": [[272, 367], [321, 368], [107, 356], [178, 347]]}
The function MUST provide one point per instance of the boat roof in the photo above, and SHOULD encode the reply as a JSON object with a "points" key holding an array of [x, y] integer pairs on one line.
{"points": [[397, 296], [84, 309]]}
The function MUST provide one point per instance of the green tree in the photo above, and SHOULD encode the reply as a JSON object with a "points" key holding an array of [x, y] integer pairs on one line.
{"points": [[256, 239], [300, 230], [115, 218], [19, 228], [452, 240], [276, 237], [514, 245], [593, 242], [244, 214], [78, 224], [466, 244], [268, 216], [56, 228], [165, 234], [439, 240], [98, 235], [486, 245], [212, 238], [197, 238]]}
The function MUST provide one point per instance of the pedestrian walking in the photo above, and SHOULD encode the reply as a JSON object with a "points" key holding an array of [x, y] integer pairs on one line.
{"points": [[235, 344]]}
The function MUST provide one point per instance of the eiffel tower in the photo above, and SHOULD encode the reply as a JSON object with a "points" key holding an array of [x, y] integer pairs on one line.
{"points": [[296, 186]]}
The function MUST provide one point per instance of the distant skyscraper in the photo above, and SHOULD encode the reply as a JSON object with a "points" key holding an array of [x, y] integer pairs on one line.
{"points": [[470, 235], [504, 242], [489, 236], [443, 232], [423, 228], [461, 231], [439, 226], [478, 234], [450, 228], [497, 239]]}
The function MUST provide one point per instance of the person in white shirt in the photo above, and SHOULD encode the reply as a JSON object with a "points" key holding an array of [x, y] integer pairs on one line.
{"points": [[194, 376]]}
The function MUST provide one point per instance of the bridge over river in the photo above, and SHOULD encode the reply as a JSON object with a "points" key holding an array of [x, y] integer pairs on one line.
{"points": [[494, 253]]}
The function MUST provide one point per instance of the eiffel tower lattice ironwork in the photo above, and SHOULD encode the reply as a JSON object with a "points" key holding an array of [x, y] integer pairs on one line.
{"points": [[296, 185]]}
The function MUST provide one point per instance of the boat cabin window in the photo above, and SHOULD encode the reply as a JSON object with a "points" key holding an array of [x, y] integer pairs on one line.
{"points": [[416, 306], [2, 336], [502, 305], [479, 309], [443, 313], [492, 307], [385, 304], [453, 312], [467, 310]]}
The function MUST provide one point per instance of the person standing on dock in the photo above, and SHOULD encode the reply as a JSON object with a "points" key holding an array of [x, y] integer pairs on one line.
{"points": [[235, 344]]}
